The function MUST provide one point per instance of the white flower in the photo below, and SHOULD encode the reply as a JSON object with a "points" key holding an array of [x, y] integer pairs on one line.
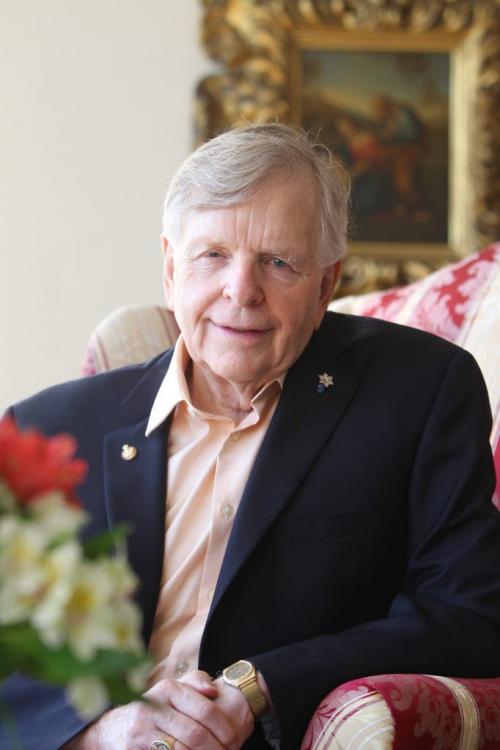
{"points": [[97, 614], [125, 623], [60, 566], [56, 517], [124, 581], [83, 620], [22, 545], [35, 578], [88, 695]]}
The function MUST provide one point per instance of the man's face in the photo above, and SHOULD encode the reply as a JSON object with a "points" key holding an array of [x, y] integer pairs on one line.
{"points": [[245, 285]]}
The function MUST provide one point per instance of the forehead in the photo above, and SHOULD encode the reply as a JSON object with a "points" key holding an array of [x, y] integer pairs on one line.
{"points": [[279, 210]]}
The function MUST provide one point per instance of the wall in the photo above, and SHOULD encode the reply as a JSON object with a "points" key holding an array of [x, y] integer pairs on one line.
{"points": [[97, 107]]}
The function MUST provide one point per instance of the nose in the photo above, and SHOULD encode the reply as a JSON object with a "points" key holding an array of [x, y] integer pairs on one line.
{"points": [[243, 284]]}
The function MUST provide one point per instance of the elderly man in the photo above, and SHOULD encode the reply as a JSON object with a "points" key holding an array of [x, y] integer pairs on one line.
{"points": [[310, 493]]}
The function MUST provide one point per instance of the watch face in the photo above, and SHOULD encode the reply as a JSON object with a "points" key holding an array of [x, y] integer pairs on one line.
{"points": [[238, 670]]}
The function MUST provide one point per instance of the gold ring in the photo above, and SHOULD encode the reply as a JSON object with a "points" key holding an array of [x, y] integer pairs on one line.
{"points": [[166, 744]]}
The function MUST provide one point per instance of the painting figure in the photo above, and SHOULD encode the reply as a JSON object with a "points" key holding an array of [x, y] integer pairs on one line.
{"points": [[365, 159], [404, 137]]}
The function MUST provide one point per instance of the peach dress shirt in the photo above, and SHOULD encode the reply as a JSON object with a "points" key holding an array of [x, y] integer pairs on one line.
{"points": [[209, 460]]}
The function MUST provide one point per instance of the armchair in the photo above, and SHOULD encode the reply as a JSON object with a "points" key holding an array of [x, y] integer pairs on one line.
{"points": [[460, 302]]}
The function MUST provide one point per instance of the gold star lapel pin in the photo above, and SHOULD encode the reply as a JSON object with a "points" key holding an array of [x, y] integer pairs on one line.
{"points": [[129, 452], [325, 381]]}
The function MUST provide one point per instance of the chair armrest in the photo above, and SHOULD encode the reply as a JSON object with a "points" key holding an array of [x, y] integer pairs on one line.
{"points": [[129, 335], [408, 712]]}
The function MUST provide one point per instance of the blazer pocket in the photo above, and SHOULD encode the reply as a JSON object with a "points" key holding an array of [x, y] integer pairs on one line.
{"points": [[360, 524]]}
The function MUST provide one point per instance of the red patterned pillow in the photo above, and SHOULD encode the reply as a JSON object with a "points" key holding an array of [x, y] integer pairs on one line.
{"points": [[461, 303]]}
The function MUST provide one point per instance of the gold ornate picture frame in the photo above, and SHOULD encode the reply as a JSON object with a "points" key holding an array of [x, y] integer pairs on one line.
{"points": [[259, 44]]}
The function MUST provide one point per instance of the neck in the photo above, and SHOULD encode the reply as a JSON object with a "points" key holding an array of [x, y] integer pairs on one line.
{"points": [[218, 396]]}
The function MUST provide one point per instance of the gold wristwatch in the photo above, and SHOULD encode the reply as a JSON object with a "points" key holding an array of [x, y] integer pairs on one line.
{"points": [[242, 675]]}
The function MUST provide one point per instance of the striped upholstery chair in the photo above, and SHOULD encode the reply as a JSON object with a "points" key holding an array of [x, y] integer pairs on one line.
{"points": [[129, 335], [460, 302]]}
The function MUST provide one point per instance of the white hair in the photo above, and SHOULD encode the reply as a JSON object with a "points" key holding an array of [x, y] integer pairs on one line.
{"points": [[231, 167]]}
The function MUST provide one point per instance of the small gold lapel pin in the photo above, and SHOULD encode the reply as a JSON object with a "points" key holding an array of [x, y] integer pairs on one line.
{"points": [[129, 452], [325, 381]]}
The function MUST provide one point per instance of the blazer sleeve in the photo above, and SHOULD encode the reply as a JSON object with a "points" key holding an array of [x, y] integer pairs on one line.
{"points": [[446, 618], [35, 716]]}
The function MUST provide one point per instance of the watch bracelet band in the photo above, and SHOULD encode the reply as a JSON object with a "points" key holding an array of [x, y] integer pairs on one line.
{"points": [[254, 695]]}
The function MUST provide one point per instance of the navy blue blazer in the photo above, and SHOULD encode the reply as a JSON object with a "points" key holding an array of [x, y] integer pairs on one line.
{"points": [[365, 541]]}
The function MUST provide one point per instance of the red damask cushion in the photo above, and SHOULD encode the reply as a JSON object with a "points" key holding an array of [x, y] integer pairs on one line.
{"points": [[426, 713]]}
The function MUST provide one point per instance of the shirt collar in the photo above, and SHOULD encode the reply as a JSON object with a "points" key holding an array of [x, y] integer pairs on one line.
{"points": [[174, 389]]}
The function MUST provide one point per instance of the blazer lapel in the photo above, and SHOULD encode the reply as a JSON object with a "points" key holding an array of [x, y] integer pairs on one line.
{"points": [[135, 489], [302, 423]]}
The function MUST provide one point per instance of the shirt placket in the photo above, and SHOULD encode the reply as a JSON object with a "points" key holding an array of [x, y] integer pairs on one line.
{"points": [[224, 504]]}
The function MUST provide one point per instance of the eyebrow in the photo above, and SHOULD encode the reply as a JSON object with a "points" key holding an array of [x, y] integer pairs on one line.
{"points": [[203, 241]]}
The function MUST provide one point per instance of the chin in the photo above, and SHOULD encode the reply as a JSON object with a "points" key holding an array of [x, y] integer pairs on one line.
{"points": [[241, 375]]}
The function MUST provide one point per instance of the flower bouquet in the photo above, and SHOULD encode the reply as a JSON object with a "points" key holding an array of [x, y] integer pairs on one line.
{"points": [[66, 614]]}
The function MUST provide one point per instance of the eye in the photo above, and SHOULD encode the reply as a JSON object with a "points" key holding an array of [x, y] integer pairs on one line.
{"points": [[213, 253], [279, 262]]}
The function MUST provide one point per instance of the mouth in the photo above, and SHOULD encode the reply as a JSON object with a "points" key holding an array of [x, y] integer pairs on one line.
{"points": [[242, 332]]}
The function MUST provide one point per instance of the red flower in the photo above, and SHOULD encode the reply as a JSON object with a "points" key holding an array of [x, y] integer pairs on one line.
{"points": [[32, 464]]}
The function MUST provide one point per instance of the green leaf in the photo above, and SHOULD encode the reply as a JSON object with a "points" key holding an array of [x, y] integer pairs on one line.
{"points": [[19, 646], [21, 649], [62, 665], [104, 543]]}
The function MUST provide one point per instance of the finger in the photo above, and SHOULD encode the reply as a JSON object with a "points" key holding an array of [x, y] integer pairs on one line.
{"points": [[202, 682], [170, 741], [191, 717], [166, 742], [187, 733]]}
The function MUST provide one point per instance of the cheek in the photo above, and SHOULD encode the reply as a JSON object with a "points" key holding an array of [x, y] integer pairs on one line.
{"points": [[192, 303], [296, 309]]}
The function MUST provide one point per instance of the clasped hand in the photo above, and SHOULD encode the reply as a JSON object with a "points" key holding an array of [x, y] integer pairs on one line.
{"points": [[200, 713]]}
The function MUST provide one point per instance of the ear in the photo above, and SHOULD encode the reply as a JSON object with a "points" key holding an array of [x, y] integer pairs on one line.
{"points": [[328, 283], [168, 273]]}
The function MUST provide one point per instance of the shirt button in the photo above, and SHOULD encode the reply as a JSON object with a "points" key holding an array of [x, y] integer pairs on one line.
{"points": [[236, 436], [181, 667], [227, 511]]}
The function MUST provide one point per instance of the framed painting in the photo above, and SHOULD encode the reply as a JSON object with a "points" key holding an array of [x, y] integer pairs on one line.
{"points": [[386, 112], [405, 93]]}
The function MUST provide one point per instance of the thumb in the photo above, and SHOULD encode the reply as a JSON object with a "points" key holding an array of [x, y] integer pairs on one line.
{"points": [[202, 682]]}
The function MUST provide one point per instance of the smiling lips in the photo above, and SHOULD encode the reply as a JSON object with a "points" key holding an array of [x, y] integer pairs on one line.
{"points": [[243, 332]]}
